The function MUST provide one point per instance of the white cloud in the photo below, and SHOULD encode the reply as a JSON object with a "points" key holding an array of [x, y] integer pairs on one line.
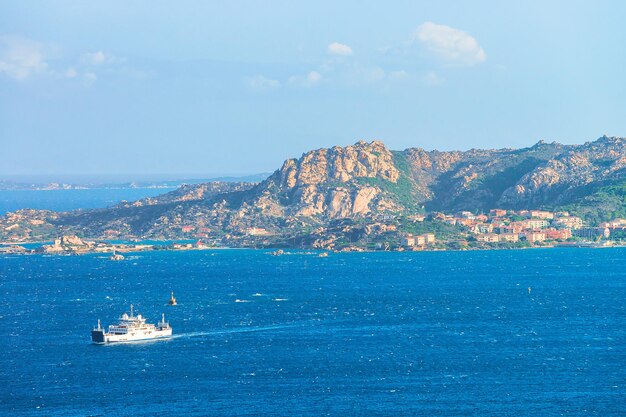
{"points": [[20, 57], [309, 80], [337, 48], [86, 78], [261, 83], [452, 45], [99, 58]]}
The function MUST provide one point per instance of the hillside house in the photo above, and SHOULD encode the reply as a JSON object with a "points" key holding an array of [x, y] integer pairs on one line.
{"points": [[509, 237], [593, 233], [535, 236], [558, 234], [488, 237], [538, 214]]}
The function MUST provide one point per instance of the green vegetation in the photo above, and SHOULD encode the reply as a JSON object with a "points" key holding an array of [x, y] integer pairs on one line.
{"points": [[483, 192], [606, 203], [399, 160], [401, 191], [618, 234], [442, 231], [459, 245], [335, 184], [497, 183]]}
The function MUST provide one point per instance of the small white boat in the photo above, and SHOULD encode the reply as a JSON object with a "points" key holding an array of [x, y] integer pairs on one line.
{"points": [[116, 256]]}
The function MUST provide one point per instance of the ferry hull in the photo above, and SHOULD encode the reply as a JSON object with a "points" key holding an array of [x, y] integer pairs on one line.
{"points": [[97, 336], [100, 337]]}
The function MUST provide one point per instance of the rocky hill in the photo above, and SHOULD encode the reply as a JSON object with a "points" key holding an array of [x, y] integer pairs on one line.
{"points": [[363, 183]]}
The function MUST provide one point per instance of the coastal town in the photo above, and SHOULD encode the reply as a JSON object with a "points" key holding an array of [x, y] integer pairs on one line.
{"points": [[533, 227]]}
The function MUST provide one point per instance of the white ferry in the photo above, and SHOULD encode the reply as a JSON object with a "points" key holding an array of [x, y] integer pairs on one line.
{"points": [[131, 328]]}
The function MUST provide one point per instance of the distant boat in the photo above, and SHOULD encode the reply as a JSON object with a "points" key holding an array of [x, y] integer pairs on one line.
{"points": [[172, 300], [323, 255], [278, 252], [131, 328], [116, 256]]}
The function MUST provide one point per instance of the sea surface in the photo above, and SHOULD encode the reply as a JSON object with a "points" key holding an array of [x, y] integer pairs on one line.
{"points": [[65, 200], [488, 333]]}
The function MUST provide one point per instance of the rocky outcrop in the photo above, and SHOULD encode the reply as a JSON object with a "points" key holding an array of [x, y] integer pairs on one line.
{"points": [[338, 164], [362, 200], [325, 182]]}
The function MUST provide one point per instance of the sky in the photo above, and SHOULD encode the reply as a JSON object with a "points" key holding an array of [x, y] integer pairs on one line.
{"points": [[207, 88]]}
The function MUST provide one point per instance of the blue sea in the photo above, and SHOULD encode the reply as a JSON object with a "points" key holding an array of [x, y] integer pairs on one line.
{"points": [[65, 200], [488, 333]]}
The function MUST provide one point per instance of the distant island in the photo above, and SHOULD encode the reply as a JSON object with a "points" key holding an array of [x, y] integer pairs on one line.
{"points": [[21, 185], [367, 197]]}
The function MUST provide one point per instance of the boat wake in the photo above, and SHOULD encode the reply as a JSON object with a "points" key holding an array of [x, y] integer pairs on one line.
{"points": [[236, 330]]}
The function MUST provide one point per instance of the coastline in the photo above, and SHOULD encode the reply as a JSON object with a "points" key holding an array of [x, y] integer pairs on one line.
{"points": [[176, 246]]}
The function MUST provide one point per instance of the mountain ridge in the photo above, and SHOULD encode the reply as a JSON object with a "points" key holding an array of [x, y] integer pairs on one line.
{"points": [[362, 182]]}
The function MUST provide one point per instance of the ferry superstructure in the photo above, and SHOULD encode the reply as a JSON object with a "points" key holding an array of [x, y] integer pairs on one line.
{"points": [[131, 328]]}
